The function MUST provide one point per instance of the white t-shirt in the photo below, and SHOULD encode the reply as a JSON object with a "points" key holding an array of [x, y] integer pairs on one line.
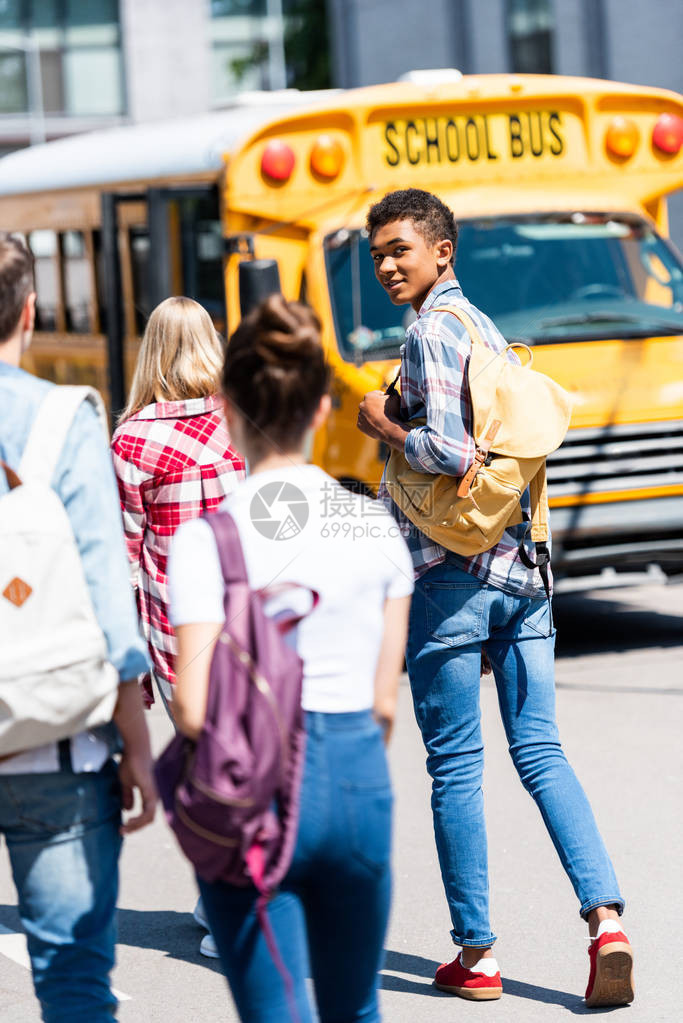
{"points": [[298, 525]]}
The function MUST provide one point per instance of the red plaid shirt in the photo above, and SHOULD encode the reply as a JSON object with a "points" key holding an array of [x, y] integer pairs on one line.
{"points": [[173, 461]]}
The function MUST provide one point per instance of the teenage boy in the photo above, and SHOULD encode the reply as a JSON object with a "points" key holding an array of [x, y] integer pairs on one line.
{"points": [[459, 605], [60, 804]]}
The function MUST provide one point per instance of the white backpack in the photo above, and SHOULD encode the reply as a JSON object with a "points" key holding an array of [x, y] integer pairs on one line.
{"points": [[55, 679]]}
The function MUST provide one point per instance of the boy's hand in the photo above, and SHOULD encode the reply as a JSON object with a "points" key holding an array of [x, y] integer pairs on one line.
{"points": [[377, 411], [136, 771]]}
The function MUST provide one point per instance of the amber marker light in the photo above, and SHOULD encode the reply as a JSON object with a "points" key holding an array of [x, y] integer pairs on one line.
{"points": [[277, 162], [622, 137], [667, 134], [327, 157]]}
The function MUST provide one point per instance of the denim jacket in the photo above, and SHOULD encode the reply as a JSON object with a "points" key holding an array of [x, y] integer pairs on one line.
{"points": [[84, 481]]}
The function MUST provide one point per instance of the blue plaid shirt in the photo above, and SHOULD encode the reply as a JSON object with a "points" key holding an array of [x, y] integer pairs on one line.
{"points": [[434, 386]]}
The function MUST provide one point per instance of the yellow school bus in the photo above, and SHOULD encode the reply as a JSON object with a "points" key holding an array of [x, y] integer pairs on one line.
{"points": [[118, 220], [559, 186]]}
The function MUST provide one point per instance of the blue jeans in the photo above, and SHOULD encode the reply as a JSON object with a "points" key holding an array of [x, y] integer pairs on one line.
{"points": [[452, 616], [330, 914], [63, 840]]}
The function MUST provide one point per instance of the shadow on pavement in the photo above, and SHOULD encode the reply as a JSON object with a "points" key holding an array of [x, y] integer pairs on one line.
{"points": [[167, 931], [593, 624], [164, 930], [536, 993], [404, 962]]}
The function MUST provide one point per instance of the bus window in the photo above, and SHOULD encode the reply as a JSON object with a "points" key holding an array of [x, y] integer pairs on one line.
{"points": [[78, 297], [43, 245], [139, 257], [201, 241], [571, 277], [542, 278], [100, 281], [368, 325]]}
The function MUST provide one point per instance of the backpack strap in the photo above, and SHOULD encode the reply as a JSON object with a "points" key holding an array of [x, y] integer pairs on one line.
{"points": [[538, 492], [50, 429], [234, 568], [229, 546], [391, 389], [465, 318], [481, 451]]}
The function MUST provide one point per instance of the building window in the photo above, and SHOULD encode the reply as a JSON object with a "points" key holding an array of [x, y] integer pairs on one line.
{"points": [[240, 30], [530, 35], [268, 44], [77, 44]]}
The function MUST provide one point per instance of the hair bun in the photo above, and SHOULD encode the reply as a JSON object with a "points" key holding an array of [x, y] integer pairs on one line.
{"points": [[275, 368], [285, 332]]}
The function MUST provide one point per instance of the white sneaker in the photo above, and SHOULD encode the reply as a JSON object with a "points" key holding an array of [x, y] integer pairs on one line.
{"points": [[200, 915], [208, 947]]}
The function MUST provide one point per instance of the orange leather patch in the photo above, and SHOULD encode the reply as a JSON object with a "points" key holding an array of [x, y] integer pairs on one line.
{"points": [[493, 430], [17, 591]]}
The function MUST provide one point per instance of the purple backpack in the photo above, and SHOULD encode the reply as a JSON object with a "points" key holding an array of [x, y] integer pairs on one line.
{"points": [[232, 798]]}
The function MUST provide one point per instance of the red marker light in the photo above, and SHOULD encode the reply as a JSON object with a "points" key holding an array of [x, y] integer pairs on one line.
{"points": [[622, 137], [327, 157], [277, 162], [667, 134]]}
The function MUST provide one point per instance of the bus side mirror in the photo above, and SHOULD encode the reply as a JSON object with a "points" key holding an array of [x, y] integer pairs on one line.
{"points": [[258, 278]]}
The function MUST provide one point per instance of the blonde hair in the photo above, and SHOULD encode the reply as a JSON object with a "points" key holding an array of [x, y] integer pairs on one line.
{"points": [[180, 357]]}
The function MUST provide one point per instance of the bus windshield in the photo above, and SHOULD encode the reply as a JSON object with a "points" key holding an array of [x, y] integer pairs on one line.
{"points": [[541, 278]]}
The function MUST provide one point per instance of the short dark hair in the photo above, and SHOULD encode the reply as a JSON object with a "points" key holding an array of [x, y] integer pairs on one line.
{"points": [[275, 370], [432, 218], [16, 282]]}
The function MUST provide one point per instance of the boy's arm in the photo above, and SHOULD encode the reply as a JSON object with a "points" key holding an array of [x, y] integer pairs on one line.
{"points": [[438, 375], [436, 379], [84, 480]]}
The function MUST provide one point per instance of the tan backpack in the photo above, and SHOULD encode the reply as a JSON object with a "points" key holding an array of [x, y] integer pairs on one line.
{"points": [[518, 417]]}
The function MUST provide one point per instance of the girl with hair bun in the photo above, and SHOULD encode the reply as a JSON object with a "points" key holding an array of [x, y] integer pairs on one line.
{"points": [[298, 526]]}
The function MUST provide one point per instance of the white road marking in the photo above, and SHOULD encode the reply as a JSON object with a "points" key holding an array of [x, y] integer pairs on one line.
{"points": [[13, 946]]}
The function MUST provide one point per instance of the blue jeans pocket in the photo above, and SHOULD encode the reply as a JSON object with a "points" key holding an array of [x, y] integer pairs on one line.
{"points": [[367, 811], [50, 804], [537, 620], [455, 612]]}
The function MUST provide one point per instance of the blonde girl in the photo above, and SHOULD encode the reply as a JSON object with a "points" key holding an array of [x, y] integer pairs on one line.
{"points": [[173, 459]]}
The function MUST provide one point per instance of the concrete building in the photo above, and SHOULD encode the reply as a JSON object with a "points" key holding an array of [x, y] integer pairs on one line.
{"points": [[72, 65], [625, 40]]}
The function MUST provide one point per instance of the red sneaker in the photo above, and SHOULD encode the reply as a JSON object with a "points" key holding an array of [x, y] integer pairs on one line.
{"points": [[610, 981], [472, 984]]}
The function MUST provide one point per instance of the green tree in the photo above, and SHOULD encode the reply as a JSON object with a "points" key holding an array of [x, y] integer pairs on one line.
{"points": [[307, 44], [307, 47]]}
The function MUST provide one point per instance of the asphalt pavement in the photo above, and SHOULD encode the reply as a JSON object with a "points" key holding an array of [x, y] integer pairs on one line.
{"points": [[620, 708]]}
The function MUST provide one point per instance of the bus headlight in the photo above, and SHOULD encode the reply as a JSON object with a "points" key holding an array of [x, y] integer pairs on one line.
{"points": [[277, 162], [622, 137], [667, 134], [327, 157]]}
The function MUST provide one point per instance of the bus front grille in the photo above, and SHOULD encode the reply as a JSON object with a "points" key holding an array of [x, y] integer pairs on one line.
{"points": [[617, 458]]}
